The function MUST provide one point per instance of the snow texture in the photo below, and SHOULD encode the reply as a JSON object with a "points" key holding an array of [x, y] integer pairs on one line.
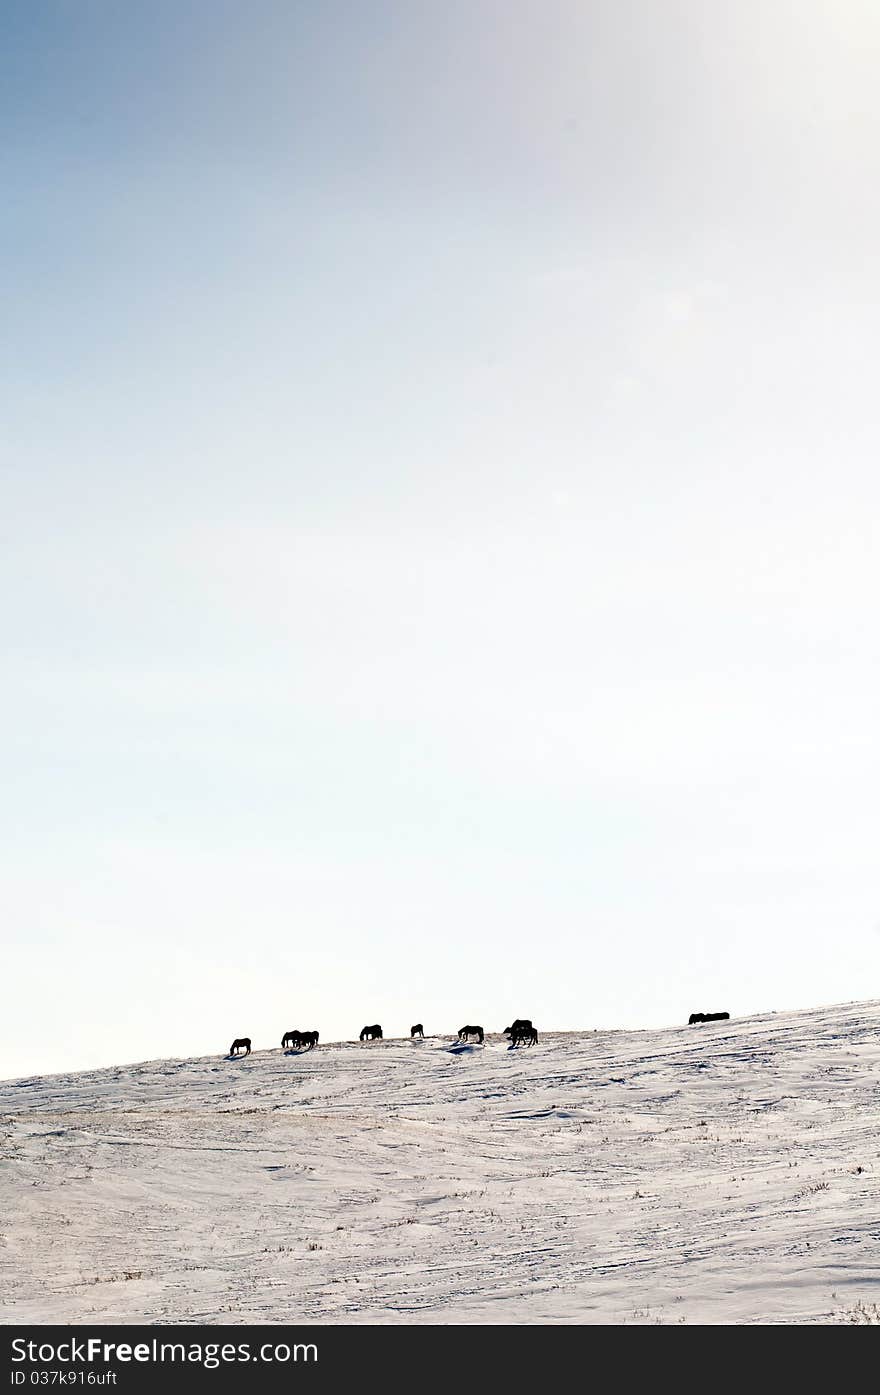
{"points": [[723, 1173]]}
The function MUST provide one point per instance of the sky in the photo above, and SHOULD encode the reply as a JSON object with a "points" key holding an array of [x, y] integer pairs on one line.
{"points": [[438, 517]]}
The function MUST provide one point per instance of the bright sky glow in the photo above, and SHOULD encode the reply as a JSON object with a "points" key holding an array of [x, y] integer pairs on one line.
{"points": [[438, 516]]}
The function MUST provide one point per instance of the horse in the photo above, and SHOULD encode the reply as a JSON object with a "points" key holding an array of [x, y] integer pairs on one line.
{"points": [[308, 1039], [240, 1041], [373, 1033], [519, 1024], [470, 1031], [291, 1039], [417, 1031], [526, 1034]]}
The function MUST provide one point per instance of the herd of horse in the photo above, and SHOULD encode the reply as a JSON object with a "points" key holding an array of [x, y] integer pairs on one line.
{"points": [[299, 1041], [521, 1032]]}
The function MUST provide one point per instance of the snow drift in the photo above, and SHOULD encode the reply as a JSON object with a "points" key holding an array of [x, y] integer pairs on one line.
{"points": [[728, 1172]]}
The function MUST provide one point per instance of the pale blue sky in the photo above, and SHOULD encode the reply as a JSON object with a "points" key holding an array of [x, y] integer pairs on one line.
{"points": [[439, 516]]}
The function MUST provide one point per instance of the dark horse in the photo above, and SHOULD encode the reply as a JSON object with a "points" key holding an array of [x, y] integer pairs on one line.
{"points": [[417, 1031], [291, 1039], [465, 1032], [522, 1033], [308, 1039], [708, 1017], [518, 1026], [240, 1041], [373, 1033]]}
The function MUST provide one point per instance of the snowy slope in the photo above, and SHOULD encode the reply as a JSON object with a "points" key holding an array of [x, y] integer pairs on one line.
{"points": [[723, 1173]]}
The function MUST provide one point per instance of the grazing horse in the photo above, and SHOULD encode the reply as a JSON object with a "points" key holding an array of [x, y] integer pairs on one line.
{"points": [[308, 1039], [240, 1041], [465, 1032], [518, 1026], [417, 1031], [373, 1033], [526, 1034], [292, 1039], [708, 1017]]}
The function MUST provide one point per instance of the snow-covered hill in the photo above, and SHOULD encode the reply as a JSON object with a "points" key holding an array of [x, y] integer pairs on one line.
{"points": [[723, 1173]]}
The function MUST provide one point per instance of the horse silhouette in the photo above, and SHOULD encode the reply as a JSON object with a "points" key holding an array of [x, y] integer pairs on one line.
{"points": [[240, 1041], [372, 1033], [470, 1031], [292, 1039], [308, 1039], [708, 1017], [417, 1031], [523, 1033], [518, 1025]]}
